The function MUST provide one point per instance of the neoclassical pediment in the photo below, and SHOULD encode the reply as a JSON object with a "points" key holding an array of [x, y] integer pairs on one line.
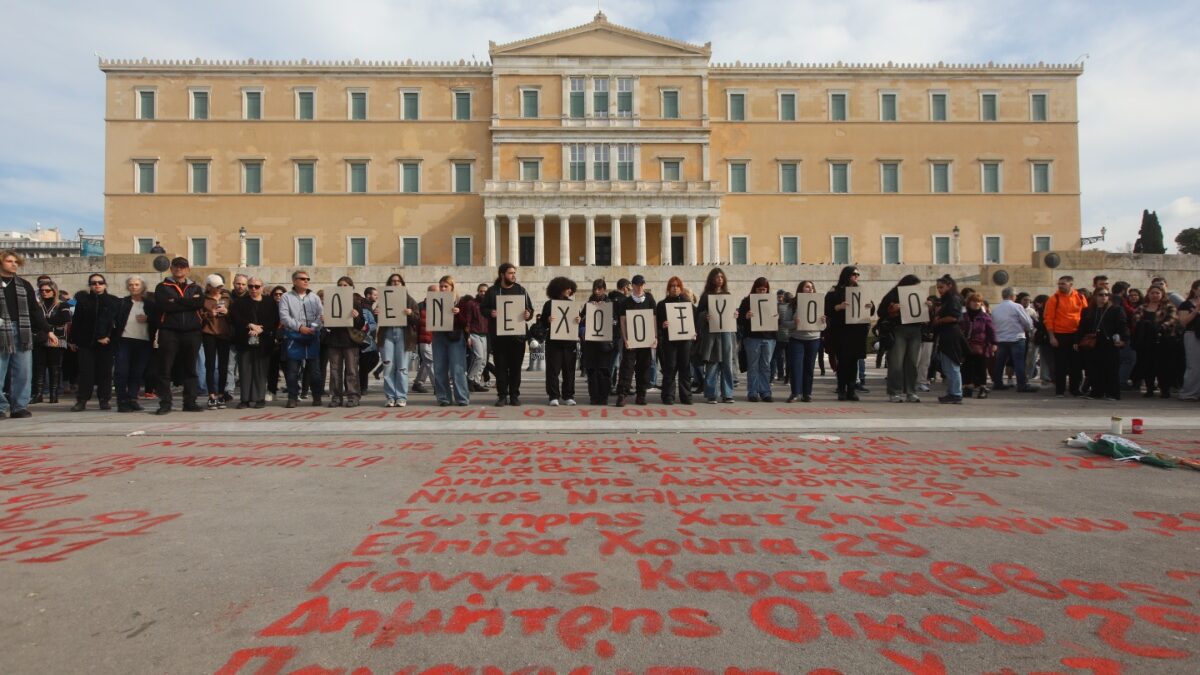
{"points": [[600, 38]]}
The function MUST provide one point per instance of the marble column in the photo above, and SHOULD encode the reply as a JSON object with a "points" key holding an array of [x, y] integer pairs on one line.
{"points": [[489, 238], [616, 240], [706, 240], [664, 243], [589, 232], [564, 240], [514, 239], [539, 240], [716, 238], [690, 242], [641, 241]]}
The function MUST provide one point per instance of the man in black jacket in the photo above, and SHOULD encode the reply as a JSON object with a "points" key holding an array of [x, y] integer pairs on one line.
{"points": [[179, 302], [635, 362], [509, 350], [21, 325]]}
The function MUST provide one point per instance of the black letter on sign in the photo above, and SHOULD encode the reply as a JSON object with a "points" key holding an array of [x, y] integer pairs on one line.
{"points": [[810, 311], [681, 312], [761, 302], [720, 312], [639, 327], [562, 320], [914, 299], [388, 310], [335, 306], [594, 321], [507, 322], [439, 308]]}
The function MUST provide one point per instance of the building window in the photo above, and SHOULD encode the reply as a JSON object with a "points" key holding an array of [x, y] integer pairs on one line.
{"points": [[841, 250], [789, 177], [144, 176], [625, 97], [737, 106], [578, 86], [787, 107], [145, 104], [839, 177], [939, 177], [411, 247], [356, 251], [600, 97], [462, 105], [891, 250], [937, 106], [987, 106], [670, 104], [1041, 177], [838, 106], [1037, 107], [600, 162], [529, 103], [252, 177], [305, 103], [462, 176], [253, 251], [577, 161], [789, 250], [738, 253], [199, 178], [941, 250], [357, 104], [991, 250], [199, 104], [304, 251], [531, 169], [889, 177], [624, 162], [198, 248], [410, 105], [1041, 243], [991, 177], [410, 176], [357, 176], [670, 170], [887, 107], [737, 176], [252, 104], [143, 245], [462, 251], [306, 177]]}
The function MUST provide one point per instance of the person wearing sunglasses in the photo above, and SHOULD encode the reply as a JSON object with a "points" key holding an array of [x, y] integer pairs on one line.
{"points": [[47, 360], [93, 334], [138, 318], [179, 302], [1103, 330], [300, 312], [254, 318]]}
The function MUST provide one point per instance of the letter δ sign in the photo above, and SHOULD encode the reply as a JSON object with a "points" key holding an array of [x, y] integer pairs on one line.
{"points": [[764, 312], [912, 305], [721, 312], [510, 315], [393, 300], [562, 320], [808, 311], [639, 328], [681, 322], [439, 311], [599, 319], [339, 305], [855, 311]]}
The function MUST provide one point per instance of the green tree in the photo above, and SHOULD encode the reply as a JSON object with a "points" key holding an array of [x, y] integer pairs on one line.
{"points": [[1150, 237], [1188, 241]]}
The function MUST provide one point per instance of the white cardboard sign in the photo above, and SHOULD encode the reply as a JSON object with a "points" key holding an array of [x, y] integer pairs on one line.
{"points": [[912, 305], [639, 328], [510, 315], [764, 312], [439, 311], [393, 300], [681, 321], [339, 305], [562, 320], [808, 311], [599, 320], [721, 313]]}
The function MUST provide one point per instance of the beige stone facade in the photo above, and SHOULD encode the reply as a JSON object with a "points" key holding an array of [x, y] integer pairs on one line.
{"points": [[603, 146]]}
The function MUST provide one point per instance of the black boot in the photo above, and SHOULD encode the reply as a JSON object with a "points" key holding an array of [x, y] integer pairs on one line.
{"points": [[55, 381]]}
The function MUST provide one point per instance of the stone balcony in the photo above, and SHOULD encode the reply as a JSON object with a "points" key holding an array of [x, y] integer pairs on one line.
{"points": [[501, 197], [500, 187]]}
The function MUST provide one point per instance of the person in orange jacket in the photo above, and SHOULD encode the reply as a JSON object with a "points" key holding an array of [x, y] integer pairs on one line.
{"points": [[1061, 317]]}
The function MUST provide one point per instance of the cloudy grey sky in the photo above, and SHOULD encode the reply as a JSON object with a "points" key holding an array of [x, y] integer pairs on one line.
{"points": [[1138, 97]]}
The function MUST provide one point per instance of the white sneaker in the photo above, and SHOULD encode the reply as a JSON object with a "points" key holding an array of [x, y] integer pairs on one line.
{"points": [[912, 398], [896, 398], [269, 397], [391, 403], [570, 401], [401, 403], [922, 387], [553, 403]]}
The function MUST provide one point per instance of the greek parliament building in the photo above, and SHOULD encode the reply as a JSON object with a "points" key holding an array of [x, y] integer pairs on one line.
{"points": [[596, 145]]}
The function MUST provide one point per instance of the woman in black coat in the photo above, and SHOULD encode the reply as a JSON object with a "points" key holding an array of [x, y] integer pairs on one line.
{"points": [[94, 332], [596, 356], [847, 343], [1106, 319], [255, 318]]}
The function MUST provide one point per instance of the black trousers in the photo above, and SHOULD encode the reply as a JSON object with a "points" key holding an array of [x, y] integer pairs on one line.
{"points": [[95, 371], [560, 366], [177, 349], [1066, 364], [847, 371], [366, 363], [46, 358], [635, 369], [974, 371], [509, 352], [676, 360], [599, 385], [1103, 369]]}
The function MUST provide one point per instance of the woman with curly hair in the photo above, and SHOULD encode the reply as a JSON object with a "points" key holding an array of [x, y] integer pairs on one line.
{"points": [[560, 354]]}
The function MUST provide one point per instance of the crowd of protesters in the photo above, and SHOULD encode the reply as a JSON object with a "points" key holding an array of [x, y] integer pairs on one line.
{"points": [[211, 341]]}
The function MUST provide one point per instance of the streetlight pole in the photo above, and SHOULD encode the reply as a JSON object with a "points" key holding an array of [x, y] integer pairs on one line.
{"points": [[242, 247], [957, 256]]}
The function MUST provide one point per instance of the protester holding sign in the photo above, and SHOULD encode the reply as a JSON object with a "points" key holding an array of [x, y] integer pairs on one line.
{"points": [[300, 313], [638, 336], [395, 343], [805, 340], [450, 352], [561, 324], [676, 320], [846, 341], [895, 310], [509, 350], [344, 343], [951, 345], [597, 328], [759, 339], [716, 337]]}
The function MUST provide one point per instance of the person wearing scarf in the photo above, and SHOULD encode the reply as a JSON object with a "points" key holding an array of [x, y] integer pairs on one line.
{"points": [[20, 329]]}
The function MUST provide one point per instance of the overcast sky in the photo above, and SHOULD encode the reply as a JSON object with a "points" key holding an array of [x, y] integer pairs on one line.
{"points": [[1138, 98]]}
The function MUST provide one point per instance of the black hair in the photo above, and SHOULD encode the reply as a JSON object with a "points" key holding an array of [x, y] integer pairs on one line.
{"points": [[847, 275], [710, 284], [558, 286], [504, 267], [948, 280]]}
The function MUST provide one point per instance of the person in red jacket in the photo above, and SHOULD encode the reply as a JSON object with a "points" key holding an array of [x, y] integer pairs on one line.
{"points": [[1061, 317]]}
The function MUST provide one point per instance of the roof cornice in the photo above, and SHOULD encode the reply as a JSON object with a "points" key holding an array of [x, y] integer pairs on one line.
{"points": [[890, 67], [350, 66], [600, 21]]}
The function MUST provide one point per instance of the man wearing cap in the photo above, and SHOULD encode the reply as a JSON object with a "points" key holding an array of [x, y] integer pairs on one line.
{"points": [[180, 302], [635, 362]]}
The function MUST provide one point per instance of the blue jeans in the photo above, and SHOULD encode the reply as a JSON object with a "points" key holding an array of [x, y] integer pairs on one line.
{"points": [[1016, 352], [132, 358], [720, 372], [953, 375], [395, 369], [201, 372], [758, 366], [804, 359], [20, 365], [450, 362]]}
